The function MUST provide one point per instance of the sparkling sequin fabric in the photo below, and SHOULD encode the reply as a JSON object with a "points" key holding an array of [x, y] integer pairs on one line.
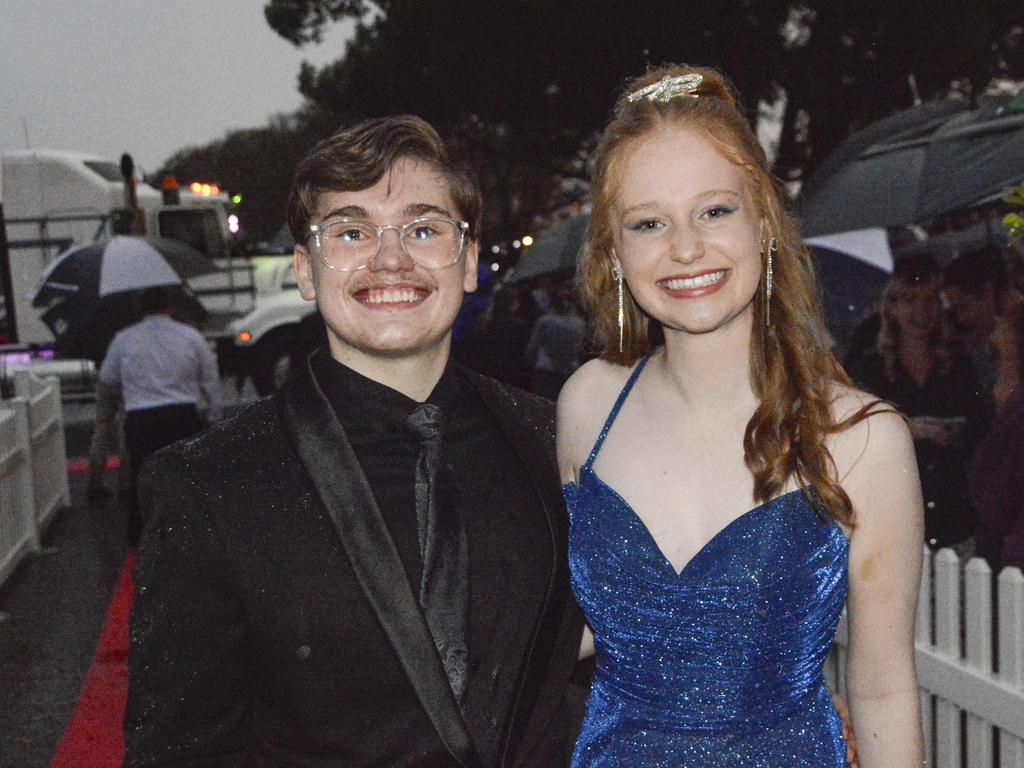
{"points": [[719, 665]]}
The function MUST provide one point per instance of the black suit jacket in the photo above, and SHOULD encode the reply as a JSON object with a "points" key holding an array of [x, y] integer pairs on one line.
{"points": [[274, 624]]}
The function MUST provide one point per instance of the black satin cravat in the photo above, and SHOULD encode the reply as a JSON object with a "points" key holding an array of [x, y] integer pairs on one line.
{"points": [[444, 586]]}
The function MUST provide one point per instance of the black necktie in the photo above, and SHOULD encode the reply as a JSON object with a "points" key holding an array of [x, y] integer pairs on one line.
{"points": [[444, 586]]}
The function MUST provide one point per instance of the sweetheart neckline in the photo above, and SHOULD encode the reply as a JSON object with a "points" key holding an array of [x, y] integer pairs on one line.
{"points": [[650, 536]]}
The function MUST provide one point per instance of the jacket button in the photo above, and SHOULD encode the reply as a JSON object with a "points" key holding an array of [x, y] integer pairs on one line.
{"points": [[302, 652]]}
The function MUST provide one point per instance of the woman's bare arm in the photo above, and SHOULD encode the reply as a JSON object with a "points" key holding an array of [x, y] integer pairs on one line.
{"points": [[878, 469]]}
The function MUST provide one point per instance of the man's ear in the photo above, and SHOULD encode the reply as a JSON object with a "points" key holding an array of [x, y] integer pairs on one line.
{"points": [[472, 261], [304, 273]]}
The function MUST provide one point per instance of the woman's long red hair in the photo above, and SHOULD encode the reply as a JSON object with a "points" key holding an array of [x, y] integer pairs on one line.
{"points": [[792, 366]]}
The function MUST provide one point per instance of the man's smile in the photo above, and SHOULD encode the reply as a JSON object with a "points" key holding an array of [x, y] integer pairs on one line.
{"points": [[392, 295]]}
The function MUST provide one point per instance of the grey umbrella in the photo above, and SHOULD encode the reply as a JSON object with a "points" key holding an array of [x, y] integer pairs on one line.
{"points": [[556, 250], [928, 161]]}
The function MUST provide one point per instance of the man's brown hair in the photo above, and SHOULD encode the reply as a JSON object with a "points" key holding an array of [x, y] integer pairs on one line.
{"points": [[357, 157]]}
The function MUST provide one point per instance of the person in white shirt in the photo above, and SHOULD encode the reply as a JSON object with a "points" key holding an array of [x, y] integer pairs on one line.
{"points": [[168, 378]]}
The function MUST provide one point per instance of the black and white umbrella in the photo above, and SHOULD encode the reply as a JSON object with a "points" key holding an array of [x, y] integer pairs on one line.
{"points": [[852, 269], [119, 265], [88, 293]]}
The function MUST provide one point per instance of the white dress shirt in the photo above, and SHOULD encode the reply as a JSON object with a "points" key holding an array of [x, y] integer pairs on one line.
{"points": [[159, 361]]}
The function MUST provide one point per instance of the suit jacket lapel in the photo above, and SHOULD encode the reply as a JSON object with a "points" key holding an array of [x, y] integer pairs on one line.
{"points": [[327, 455]]}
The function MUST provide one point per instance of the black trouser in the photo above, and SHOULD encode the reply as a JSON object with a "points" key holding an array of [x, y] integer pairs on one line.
{"points": [[147, 431]]}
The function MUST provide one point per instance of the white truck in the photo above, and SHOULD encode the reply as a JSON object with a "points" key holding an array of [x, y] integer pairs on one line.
{"points": [[264, 341], [54, 199]]}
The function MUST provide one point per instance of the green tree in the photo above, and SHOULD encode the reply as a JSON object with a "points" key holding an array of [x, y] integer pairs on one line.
{"points": [[256, 163], [1014, 220], [523, 86], [846, 65], [520, 87]]}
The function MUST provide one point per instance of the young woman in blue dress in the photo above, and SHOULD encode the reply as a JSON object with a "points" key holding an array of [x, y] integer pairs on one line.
{"points": [[728, 489]]}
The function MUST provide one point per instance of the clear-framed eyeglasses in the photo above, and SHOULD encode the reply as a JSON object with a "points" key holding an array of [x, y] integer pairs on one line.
{"points": [[348, 245]]}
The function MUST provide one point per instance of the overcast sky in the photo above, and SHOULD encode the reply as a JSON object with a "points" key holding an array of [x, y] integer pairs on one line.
{"points": [[147, 77]]}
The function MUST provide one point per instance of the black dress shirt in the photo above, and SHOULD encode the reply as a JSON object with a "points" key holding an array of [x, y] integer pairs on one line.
{"points": [[486, 481]]}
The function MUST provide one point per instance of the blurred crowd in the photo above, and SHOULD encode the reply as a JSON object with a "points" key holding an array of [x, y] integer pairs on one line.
{"points": [[531, 335], [945, 348]]}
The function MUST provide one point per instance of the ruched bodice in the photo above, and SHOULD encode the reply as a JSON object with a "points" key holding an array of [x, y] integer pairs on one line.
{"points": [[721, 663]]}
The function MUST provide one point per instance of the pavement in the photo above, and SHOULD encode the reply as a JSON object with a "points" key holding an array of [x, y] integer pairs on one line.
{"points": [[52, 608]]}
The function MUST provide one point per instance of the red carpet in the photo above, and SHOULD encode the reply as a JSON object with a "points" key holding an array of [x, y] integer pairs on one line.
{"points": [[93, 737], [81, 465]]}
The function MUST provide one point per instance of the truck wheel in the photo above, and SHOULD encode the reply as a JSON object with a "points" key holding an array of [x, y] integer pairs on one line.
{"points": [[272, 364]]}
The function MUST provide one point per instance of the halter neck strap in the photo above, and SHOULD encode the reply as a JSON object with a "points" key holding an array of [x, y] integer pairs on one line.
{"points": [[615, 410]]}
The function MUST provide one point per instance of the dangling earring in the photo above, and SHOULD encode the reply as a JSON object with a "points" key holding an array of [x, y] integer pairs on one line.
{"points": [[770, 251], [617, 277]]}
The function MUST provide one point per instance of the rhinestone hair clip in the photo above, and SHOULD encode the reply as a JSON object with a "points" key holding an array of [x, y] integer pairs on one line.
{"points": [[668, 88]]}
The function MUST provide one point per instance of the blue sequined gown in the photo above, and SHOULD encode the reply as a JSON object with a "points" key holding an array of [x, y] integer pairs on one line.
{"points": [[721, 664]]}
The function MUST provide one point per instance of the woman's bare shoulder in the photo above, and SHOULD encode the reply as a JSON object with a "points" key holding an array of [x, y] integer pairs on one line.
{"points": [[583, 405], [596, 376], [875, 444], [863, 417]]}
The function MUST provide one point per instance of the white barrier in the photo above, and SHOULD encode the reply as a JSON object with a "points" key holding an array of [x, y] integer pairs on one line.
{"points": [[49, 455], [18, 533], [33, 466], [970, 663]]}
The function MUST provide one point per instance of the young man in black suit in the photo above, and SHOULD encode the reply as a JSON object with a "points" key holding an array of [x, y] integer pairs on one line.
{"points": [[368, 568]]}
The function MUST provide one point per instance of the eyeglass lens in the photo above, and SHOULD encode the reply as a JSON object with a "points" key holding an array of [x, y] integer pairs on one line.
{"points": [[352, 244]]}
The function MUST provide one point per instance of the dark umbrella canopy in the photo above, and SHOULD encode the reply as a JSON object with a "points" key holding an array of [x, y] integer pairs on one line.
{"points": [[920, 164], [557, 249]]}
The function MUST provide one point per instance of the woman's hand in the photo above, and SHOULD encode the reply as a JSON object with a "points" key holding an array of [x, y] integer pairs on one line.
{"points": [[849, 736], [586, 644]]}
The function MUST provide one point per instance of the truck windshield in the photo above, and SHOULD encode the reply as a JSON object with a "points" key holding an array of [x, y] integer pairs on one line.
{"points": [[109, 171], [199, 228]]}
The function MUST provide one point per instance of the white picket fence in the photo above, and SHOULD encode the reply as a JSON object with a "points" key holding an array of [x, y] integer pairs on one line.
{"points": [[33, 466], [49, 454], [970, 663], [18, 535]]}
